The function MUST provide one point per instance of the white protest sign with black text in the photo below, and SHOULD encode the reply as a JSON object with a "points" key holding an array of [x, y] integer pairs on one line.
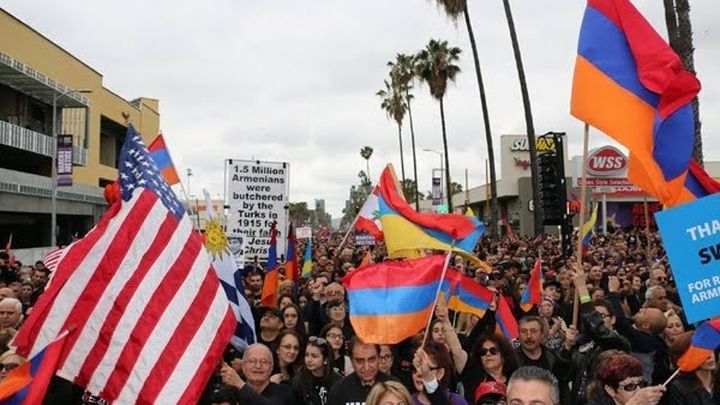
{"points": [[257, 195]]}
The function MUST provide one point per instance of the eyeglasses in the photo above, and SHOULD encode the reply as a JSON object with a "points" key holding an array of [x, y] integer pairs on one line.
{"points": [[633, 386], [603, 315], [334, 336], [492, 351], [386, 358], [660, 278], [8, 366], [317, 340], [255, 362]]}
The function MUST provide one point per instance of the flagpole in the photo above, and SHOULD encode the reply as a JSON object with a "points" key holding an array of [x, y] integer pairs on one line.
{"points": [[437, 292], [583, 196], [647, 228]]}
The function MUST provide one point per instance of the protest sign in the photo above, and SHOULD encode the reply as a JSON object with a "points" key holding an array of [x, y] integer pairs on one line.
{"points": [[691, 235], [364, 239], [304, 232], [257, 195]]}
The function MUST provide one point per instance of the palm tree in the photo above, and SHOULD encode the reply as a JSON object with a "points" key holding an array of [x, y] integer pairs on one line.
{"points": [[395, 107], [454, 9], [366, 152], [680, 35], [402, 73], [436, 66], [537, 214]]}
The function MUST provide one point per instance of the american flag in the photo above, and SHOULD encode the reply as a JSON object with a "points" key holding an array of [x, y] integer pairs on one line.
{"points": [[152, 320]]}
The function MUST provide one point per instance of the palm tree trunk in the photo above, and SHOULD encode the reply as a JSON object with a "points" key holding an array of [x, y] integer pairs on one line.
{"points": [[402, 158], [367, 166], [537, 215], [412, 139], [488, 135], [448, 185], [686, 52], [671, 23]]}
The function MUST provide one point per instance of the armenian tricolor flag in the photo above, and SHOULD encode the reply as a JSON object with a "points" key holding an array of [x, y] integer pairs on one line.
{"points": [[533, 292], [161, 157], [28, 383], [468, 296], [631, 85], [702, 345], [307, 260], [291, 264], [270, 285], [392, 301], [505, 319], [407, 231]]}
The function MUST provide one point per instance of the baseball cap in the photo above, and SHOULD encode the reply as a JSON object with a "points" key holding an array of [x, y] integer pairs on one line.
{"points": [[489, 390]]}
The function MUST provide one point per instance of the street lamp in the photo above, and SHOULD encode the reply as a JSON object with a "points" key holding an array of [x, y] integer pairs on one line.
{"points": [[53, 169], [442, 170]]}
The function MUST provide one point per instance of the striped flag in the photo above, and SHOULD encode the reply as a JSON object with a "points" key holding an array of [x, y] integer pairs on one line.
{"points": [[270, 284], [307, 260], [161, 157], [151, 317], [230, 278]]}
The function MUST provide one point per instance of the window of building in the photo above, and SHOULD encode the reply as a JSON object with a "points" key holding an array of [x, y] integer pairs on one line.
{"points": [[112, 136]]}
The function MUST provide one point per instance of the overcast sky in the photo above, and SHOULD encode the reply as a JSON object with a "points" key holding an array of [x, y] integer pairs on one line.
{"points": [[295, 81]]}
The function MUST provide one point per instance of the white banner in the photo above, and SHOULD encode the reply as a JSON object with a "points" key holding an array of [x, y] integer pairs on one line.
{"points": [[257, 195], [304, 232]]}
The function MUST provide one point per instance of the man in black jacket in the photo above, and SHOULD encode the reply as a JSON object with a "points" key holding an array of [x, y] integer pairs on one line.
{"points": [[353, 389], [257, 389]]}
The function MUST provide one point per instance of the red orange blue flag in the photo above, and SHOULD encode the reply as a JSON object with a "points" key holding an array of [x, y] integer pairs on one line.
{"points": [[391, 301], [703, 344], [161, 156], [533, 292], [292, 271], [631, 85], [468, 296], [270, 284], [28, 383], [587, 230]]}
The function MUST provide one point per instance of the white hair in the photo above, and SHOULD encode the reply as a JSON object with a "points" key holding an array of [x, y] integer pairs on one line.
{"points": [[650, 293], [15, 303]]}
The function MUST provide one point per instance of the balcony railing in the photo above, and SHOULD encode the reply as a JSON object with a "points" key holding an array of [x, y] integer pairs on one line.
{"points": [[31, 141]]}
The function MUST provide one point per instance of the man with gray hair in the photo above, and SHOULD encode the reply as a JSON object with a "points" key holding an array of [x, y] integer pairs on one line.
{"points": [[532, 385], [10, 313], [256, 388]]}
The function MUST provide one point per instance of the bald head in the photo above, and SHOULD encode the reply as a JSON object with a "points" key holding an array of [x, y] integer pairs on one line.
{"points": [[651, 320], [6, 292]]}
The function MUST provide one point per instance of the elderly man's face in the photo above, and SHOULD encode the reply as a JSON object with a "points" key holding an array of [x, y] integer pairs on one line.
{"points": [[9, 315], [257, 364]]}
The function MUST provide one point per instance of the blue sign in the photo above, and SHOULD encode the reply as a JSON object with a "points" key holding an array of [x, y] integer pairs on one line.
{"points": [[691, 235]]}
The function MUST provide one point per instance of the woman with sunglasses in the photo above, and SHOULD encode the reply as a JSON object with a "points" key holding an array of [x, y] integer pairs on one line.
{"points": [[287, 356], [8, 361], [312, 384], [697, 387], [622, 381], [492, 359], [432, 375], [335, 337]]}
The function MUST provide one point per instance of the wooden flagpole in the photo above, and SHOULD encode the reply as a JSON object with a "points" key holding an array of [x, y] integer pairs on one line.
{"points": [[437, 292], [581, 222]]}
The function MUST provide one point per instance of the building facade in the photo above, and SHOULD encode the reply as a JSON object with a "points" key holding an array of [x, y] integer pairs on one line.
{"points": [[44, 87]]}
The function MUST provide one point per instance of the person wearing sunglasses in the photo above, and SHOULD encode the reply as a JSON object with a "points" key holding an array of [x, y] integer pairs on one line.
{"points": [[312, 384], [698, 386], [432, 374], [492, 359], [8, 361], [621, 377]]}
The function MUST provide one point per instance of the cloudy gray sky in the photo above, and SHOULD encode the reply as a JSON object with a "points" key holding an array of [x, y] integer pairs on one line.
{"points": [[295, 81]]}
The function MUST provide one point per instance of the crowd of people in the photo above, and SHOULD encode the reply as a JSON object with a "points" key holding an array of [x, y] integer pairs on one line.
{"points": [[622, 349]]}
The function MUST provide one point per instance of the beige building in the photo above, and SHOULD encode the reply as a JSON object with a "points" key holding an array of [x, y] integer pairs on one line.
{"points": [[35, 75]]}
